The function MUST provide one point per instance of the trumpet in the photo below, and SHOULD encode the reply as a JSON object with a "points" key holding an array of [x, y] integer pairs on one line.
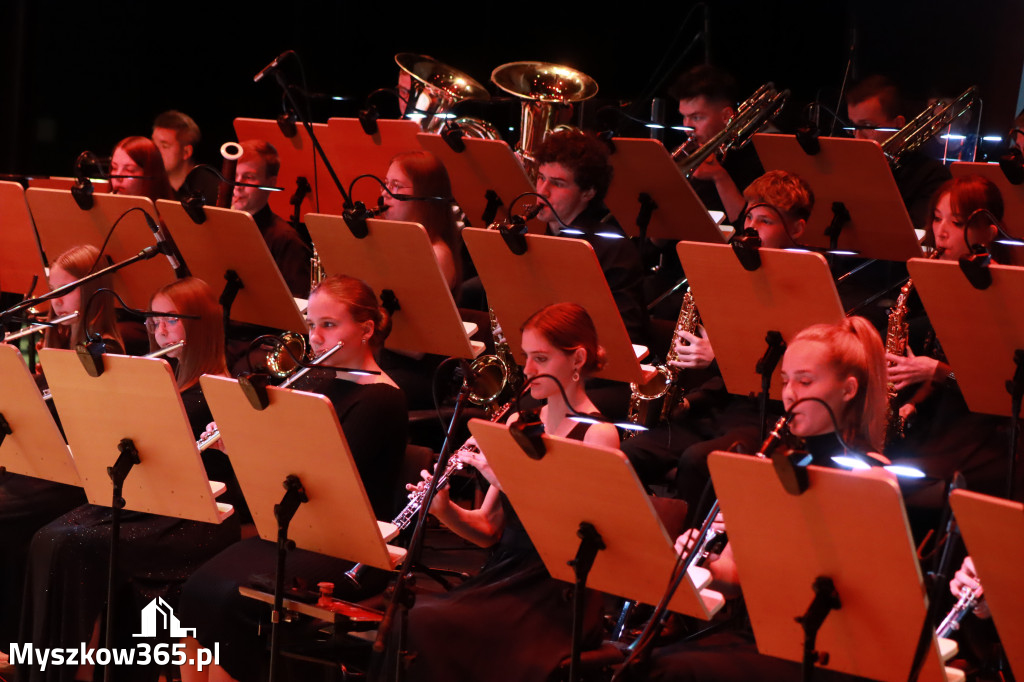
{"points": [[40, 328], [205, 443], [158, 353], [967, 600]]}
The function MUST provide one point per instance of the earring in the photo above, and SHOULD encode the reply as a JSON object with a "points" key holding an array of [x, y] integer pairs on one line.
{"points": [[364, 341], [575, 375]]}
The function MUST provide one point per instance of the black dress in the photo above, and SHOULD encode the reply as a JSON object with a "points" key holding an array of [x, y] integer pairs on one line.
{"points": [[512, 621], [374, 420], [65, 591]]}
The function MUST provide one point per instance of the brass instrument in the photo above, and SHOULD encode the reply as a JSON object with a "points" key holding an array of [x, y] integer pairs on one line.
{"points": [[494, 375], [926, 125], [231, 152], [665, 382], [966, 602], [896, 343], [205, 443], [544, 88], [435, 88], [751, 116], [280, 362], [896, 334], [158, 353], [40, 328]]}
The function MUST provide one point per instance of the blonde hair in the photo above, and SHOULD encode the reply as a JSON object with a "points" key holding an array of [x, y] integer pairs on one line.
{"points": [[855, 349], [77, 262]]}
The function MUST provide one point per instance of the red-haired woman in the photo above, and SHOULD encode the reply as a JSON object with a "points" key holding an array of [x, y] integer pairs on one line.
{"points": [[526, 614], [942, 435]]}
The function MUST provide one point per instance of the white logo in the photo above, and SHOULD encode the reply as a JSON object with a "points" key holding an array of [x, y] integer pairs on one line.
{"points": [[158, 615]]}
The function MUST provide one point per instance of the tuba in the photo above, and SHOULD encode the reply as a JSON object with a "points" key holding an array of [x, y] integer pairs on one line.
{"points": [[434, 89], [751, 116], [927, 125], [543, 88]]}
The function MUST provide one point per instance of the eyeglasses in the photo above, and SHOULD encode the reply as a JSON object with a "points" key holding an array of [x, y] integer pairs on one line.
{"points": [[395, 186], [153, 323]]}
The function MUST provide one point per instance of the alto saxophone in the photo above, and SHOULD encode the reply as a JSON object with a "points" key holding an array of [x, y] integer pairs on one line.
{"points": [[665, 382], [896, 344]]}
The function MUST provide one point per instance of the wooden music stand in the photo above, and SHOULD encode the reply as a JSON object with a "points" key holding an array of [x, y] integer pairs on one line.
{"points": [[850, 527], [398, 257], [486, 174], [552, 500], [855, 174], [34, 447], [62, 224], [227, 242], [981, 351], [648, 185], [55, 182], [354, 153], [338, 519], [993, 530], [790, 291], [137, 399], [298, 159], [21, 259], [1013, 195], [553, 270]]}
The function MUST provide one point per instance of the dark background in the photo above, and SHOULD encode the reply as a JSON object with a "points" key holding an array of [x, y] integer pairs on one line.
{"points": [[82, 76]]}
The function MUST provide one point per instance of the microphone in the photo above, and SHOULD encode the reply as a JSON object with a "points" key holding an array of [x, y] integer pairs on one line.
{"points": [[272, 66], [166, 247]]}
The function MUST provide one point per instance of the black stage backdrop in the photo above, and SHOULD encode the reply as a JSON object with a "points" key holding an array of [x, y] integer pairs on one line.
{"points": [[76, 76]]}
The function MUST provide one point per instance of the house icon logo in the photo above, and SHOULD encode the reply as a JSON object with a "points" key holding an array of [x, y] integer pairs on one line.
{"points": [[158, 616]]}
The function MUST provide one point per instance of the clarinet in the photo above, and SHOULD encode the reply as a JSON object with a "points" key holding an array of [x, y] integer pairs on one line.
{"points": [[951, 623], [416, 497]]}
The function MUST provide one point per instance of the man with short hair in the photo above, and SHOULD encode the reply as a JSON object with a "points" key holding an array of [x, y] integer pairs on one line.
{"points": [[707, 100], [176, 135], [876, 102], [573, 175], [259, 165]]}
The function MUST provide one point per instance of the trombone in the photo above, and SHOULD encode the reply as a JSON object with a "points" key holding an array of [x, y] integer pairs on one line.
{"points": [[40, 328]]}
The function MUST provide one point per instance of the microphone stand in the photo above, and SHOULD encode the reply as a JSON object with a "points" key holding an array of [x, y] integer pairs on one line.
{"points": [[145, 254], [402, 595]]}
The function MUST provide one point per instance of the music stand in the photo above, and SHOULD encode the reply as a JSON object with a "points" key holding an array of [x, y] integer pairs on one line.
{"points": [[791, 290], [132, 443], [599, 531], [993, 530], [21, 259], [553, 270], [486, 177], [324, 507], [298, 160], [62, 224], [57, 182], [228, 252], [857, 206], [981, 352], [1013, 195], [650, 197], [848, 527], [397, 260], [354, 153], [30, 442]]}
